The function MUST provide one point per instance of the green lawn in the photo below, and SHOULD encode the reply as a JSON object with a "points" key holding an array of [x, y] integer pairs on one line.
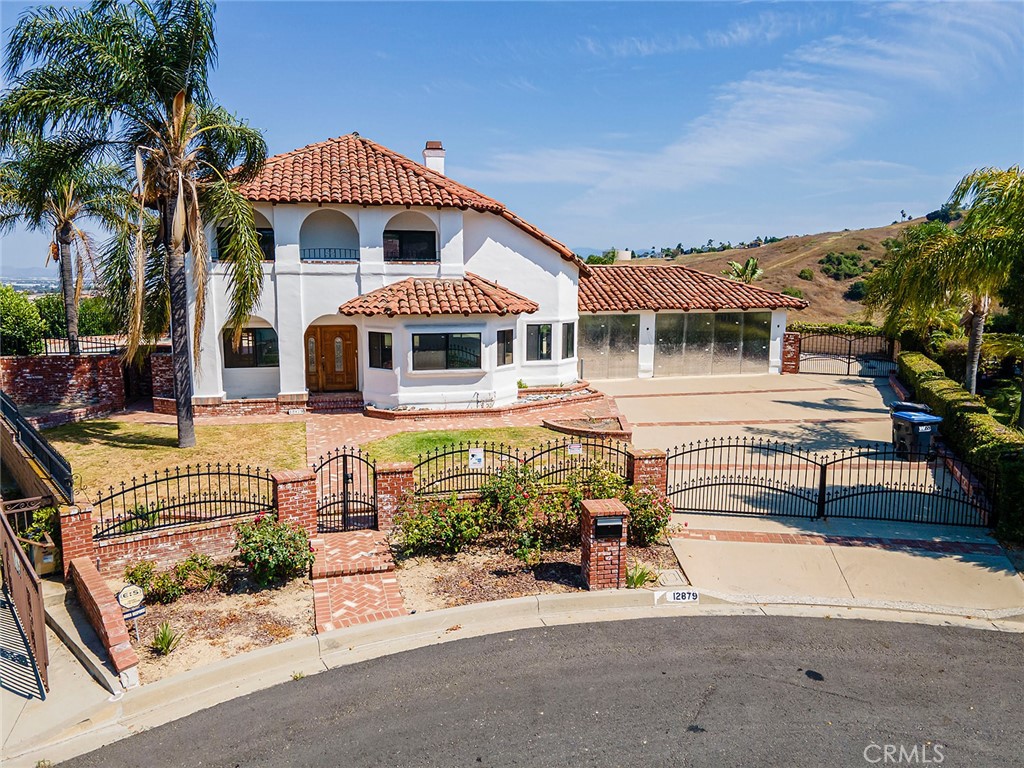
{"points": [[407, 446], [105, 452]]}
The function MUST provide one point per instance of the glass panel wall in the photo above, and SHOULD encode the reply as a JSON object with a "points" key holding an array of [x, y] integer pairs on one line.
{"points": [[609, 346], [702, 343]]}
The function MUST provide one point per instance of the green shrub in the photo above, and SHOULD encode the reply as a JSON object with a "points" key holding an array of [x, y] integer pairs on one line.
{"points": [[273, 550], [915, 367], [863, 247], [164, 588], [426, 526], [21, 328], [511, 494], [856, 291], [842, 266], [140, 573], [843, 329], [796, 293], [197, 573], [558, 520], [806, 274], [165, 639], [649, 514], [639, 575], [94, 316]]}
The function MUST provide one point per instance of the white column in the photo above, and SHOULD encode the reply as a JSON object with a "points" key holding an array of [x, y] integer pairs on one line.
{"points": [[291, 323], [775, 347], [646, 351]]}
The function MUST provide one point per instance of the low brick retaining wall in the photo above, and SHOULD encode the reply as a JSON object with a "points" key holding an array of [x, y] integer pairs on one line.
{"points": [[96, 380], [105, 616], [483, 413]]}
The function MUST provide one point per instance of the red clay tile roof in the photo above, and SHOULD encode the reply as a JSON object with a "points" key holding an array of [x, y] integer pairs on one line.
{"points": [[471, 295], [633, 287], [354, 170]]}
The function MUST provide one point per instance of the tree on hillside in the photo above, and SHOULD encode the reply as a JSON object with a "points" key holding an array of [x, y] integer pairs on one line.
{"points": [[747, 272], [131, 79], [931, 266], [46, 188]]}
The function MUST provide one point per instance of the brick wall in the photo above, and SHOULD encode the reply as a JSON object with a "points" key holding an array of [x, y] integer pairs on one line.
{"points": [[166, 546], [648, 466], [105, 616], [791, 352], [394, 482], [295, 498], [161, 371], [87, 379], [603, 561], [76, 535], [215, 406]]}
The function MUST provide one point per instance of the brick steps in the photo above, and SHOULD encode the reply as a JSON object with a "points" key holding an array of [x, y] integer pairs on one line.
{"points": [[353, 580], [335, 402]]}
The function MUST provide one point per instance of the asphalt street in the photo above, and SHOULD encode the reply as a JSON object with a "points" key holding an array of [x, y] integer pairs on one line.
{"points": [[689, 691]]}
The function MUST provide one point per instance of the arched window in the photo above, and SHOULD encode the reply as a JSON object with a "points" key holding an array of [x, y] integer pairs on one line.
{"points": [[410, 236], [257, 349], [264, 232]]}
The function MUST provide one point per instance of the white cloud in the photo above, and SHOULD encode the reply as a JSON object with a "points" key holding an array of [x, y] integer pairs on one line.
{"points": [[766, 27]]}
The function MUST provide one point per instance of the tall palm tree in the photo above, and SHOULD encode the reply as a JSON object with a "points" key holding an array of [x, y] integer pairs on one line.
{"points": [[747, 272], [131, 78], [45, 190]]}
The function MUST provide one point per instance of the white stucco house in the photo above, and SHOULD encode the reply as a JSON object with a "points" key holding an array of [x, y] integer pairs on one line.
{"points": [[387, 282]]}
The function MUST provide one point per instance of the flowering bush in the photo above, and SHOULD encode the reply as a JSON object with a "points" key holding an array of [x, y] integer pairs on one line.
{"points": [[275, 551], [425, 526], [510, 496], [649, 514]]}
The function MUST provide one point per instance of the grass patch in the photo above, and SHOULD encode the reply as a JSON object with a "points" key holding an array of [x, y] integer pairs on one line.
{"points": [[407, 446], [104, 451]]}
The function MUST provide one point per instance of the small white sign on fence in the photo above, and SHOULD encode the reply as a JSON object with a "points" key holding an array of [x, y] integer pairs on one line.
{"points": [[575, 449], [476, 458]]}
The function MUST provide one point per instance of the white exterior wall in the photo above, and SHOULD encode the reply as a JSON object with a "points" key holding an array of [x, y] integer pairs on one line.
{"points": [[297, 294], [775, 346]]}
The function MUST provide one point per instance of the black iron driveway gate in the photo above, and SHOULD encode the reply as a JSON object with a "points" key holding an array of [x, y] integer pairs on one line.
{"points": [[841, 355], [346, 483], [747, 476]]}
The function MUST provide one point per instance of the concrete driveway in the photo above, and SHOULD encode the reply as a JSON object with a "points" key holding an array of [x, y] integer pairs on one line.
{"points": [[836, 561], [817, 412]]}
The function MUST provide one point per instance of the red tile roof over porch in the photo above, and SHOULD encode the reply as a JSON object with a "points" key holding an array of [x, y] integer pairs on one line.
{"points": [[634, 287], [471, 295]]}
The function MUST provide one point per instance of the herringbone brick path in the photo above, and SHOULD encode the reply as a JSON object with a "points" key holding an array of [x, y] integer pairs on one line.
{"points": [[353, 580]]}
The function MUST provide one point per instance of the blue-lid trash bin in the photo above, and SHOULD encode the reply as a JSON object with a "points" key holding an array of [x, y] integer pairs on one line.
{"points": [[912, 433], [905, 405]]}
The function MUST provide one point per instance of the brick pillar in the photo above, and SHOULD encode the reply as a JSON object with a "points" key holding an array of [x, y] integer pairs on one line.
{"points": [[791, 352], [295, 498], [76, 535], [394, 482], [603, 560], [648, 467]]}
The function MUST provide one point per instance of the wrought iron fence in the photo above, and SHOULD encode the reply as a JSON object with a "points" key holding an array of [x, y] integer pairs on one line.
{"points": [[87, 345], [329, 254], [182, 496], [346, 481], [463, 467], [752, 476], [842, 355], [49, 458]]}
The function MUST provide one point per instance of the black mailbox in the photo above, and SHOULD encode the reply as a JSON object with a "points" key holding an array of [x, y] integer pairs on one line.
{"points": [[607, 527]]}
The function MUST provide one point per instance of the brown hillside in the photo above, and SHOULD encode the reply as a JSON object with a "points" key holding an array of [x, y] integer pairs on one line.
{"points": [[782, 261]]}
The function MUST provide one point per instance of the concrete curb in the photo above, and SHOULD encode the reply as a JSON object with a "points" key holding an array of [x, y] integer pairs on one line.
{"points": [[172, 698]]}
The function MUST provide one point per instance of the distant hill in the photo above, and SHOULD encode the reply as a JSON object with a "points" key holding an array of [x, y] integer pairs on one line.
{"points": [[782, 262]]}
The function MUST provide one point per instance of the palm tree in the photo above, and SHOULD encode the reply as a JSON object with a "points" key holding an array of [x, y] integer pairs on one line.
{"points": [[131, 79], [45, 190], [931, 266], [747, 272]]}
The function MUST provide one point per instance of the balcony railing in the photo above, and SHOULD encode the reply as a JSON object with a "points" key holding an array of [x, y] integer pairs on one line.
{"points": [[330, 254]]}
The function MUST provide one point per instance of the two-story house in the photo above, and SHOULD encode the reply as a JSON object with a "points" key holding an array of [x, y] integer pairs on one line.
{"points": [[386, 279]]}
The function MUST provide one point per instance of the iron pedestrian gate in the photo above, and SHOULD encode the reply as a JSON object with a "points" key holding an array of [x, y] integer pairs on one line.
{"points": [[840, 355], [745, 476], [346, 483]]}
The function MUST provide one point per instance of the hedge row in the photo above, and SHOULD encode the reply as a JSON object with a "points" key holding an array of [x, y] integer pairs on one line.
{"points": [[844, 329], [973, 434]]}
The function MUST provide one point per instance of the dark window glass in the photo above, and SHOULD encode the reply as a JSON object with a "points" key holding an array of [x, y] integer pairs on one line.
{"points": [[538, 342], [506, 345], [407, 245], [445, 351], [380, 350], [266, 240], [568, 340], [258, 349]]}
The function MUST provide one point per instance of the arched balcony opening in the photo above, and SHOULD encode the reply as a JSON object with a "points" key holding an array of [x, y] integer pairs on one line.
{"points": [[264, 231], [410, 236], [328, 235]]}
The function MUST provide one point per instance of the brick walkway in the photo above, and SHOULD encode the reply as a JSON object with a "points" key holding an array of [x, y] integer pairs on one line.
{"points": [[354, 580], [760, 537]]}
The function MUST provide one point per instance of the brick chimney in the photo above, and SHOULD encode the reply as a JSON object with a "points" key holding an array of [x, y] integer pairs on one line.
{"points": [[433, 156]]}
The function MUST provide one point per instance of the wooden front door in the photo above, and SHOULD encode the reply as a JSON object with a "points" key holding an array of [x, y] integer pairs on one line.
{"points": [[331, 358]]}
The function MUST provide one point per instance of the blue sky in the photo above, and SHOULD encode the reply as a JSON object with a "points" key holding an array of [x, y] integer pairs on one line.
{"points": [[639, 124]]}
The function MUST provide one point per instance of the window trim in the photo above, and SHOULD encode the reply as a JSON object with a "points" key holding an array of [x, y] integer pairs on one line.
{"points": [[403, 259], [509, 348], [391, 350], [571, 327], [230, 356], [447, 332], [551, 342]]}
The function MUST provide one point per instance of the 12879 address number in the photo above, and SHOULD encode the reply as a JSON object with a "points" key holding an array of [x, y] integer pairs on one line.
{"points": [[681, 596]]}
